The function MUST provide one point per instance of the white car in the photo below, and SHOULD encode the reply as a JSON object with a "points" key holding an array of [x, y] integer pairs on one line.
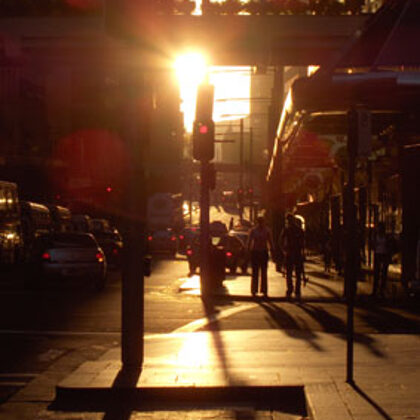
{"points": [[68, 255]]}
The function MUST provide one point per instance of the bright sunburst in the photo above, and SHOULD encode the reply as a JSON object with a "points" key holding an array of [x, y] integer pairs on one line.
{"points": [[191, 70], [232, 87]]}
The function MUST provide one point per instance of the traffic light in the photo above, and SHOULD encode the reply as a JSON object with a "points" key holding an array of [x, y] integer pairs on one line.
{"points": [[203, 130], [203, 140]]}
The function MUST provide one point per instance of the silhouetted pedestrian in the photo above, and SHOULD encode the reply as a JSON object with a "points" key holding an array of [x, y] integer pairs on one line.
{"points": [[383, 248], [259, 243], [293, 244]]}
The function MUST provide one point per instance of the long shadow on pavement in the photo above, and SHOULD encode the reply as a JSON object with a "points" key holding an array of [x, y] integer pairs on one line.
{"points": [[287, 323], [374, 404], [335, 325]]}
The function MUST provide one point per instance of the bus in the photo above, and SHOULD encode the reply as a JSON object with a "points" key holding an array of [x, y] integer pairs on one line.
{"points": [[11, 242], [36, 221]]}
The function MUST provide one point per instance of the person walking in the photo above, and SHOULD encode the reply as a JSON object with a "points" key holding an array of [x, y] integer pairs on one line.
{"points": [[382, 254], [259, 243], [292, 240]]}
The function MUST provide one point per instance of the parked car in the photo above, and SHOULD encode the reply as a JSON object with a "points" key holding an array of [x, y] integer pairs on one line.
{"points": [[112, 245], [162, 241], [68, 255], [236, 253]]}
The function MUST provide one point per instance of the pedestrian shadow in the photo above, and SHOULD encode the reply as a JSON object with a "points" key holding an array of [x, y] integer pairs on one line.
{"points": [[328, 289], [320, 275], [284, 321], [334, 324], [387, 320], [373, 403]]}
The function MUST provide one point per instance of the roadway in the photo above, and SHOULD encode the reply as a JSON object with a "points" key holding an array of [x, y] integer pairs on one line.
{"points": [[66, 325]]}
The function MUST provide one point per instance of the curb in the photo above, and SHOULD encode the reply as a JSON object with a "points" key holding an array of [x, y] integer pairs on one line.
{"points": [[290, 398]]}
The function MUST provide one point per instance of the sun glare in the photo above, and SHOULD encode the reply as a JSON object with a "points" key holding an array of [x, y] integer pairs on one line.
{"points": [[232, 88], [191, 70]]}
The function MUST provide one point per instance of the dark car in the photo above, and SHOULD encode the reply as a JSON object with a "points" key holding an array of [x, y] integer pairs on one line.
{"points": [[67, 255], [162, 241], [112, 245], [186, 238], [193, 256], [236, 253], [218, 228]]}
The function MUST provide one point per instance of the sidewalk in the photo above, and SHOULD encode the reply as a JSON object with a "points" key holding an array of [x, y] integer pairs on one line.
{"points": [[320, 287], [300, 373]]}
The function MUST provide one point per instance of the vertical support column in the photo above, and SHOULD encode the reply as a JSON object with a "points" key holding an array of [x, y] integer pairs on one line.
{"points": [[205, 231], [251, 180], [241, 166], [351, 238], [136, 135]]}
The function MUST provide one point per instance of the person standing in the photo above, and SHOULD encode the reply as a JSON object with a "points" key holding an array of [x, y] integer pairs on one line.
{"points": [[259, 243], [292, 241], [382, 253]]}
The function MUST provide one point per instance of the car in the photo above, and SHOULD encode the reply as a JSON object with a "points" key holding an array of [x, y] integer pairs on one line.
{"points": [[193, 256], [243, 235], [186, 237], [162, 241], [236, 253], [68, 255], [112, 245], [218, 228]]}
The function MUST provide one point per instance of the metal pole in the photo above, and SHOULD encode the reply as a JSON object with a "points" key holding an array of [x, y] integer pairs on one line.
{"points": [[204, 230], [251, 195], [241, 154], [351, 238], [241, 166], [133, 225]]}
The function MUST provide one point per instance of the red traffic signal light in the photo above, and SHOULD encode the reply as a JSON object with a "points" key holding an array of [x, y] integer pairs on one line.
{"points": [[203, 140], [203, 129], [108, 189]]}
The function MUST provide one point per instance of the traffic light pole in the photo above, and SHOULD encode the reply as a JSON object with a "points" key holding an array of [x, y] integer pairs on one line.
{"points": [[350, 274], [241, 167], [205, 230]]}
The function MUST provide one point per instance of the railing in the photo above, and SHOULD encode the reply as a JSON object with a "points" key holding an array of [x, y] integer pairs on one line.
{"points": [[69, 8]]}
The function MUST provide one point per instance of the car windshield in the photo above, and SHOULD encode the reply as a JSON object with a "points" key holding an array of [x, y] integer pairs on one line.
{"points": [[69, 240]]}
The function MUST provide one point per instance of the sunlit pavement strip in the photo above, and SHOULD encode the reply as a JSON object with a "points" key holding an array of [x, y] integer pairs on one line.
{"points": [[192, 284], [200, 323]]}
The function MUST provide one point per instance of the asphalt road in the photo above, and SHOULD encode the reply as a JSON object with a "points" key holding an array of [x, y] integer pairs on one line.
{"points": [[39, 328]]}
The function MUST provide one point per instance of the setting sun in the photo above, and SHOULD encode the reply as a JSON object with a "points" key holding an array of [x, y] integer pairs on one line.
{"points": [[191, 70], [232, 87]]}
